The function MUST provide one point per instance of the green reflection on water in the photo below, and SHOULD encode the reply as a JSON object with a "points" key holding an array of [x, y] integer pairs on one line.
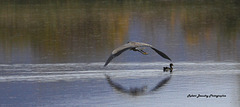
{"points": [[59, 31]]}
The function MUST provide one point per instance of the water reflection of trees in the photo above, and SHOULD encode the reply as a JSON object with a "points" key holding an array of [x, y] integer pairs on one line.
{"points": [[58, 30]]}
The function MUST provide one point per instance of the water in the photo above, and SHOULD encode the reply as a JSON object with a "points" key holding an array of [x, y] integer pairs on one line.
{"points": [[80, 31], [52, 53], [82, 84]]}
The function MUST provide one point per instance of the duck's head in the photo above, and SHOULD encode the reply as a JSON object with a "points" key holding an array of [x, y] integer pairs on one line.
{"points": [[171, 64]]}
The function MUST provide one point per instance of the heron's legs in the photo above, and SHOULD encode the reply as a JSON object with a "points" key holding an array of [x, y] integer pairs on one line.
{"points": [[140, 50], [143, 52]]}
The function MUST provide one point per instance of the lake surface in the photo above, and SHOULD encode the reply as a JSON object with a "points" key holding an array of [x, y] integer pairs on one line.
{"points": [[120, 84], [52, 53]]}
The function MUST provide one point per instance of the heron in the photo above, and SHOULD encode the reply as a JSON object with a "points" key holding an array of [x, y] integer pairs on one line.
{"points": [[134, 46]]}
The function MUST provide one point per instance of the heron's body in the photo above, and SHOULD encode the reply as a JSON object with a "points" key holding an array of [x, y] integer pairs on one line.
{"points": [[134, 46], [166, 69]]}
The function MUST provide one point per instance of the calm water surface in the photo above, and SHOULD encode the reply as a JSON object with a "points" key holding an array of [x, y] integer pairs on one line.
{"points": [[52, 53], [121, 84]]}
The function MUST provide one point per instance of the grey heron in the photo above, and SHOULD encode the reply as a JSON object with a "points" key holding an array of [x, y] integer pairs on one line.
{"points": [[134, 46]]}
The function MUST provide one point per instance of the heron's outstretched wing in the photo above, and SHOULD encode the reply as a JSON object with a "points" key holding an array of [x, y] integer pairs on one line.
{"points": [[115, 53], [161, 53]]}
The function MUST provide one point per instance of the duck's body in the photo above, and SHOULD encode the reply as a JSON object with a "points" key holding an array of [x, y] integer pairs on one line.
{"points": [[166, 69]]}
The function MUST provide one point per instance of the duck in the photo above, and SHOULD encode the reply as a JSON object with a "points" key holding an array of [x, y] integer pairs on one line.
{"points": [[166, 69]]}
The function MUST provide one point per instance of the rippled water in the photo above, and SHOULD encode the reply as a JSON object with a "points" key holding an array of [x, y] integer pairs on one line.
{"points": [[119, 84]]}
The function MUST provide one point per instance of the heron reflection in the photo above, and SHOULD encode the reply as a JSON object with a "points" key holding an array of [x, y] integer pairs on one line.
{"points": [[135, 91]]}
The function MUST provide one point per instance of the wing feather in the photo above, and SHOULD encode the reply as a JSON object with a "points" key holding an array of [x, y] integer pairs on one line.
{"points": [[115, 54], [161, 53]]}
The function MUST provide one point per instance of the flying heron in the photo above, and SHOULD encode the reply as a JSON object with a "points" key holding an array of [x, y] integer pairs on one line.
{"points": [[134, 46]]}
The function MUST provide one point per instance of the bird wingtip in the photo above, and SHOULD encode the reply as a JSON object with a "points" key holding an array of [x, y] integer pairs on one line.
{"points": [[169, 59], [104, 65]]}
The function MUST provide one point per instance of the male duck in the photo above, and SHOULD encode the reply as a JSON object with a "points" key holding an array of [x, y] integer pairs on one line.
{"points": [[166, 69]]}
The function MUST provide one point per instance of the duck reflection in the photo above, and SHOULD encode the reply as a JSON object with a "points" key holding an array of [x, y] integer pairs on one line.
{"points": [[135, 91]]}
